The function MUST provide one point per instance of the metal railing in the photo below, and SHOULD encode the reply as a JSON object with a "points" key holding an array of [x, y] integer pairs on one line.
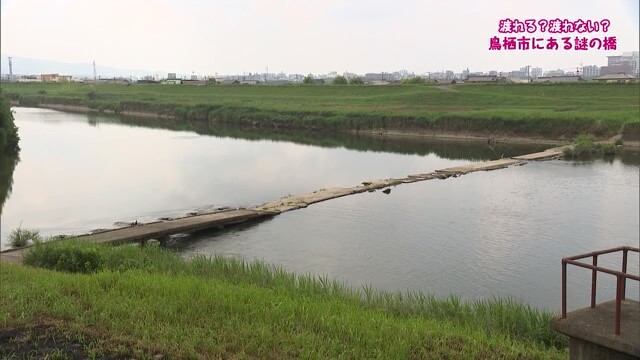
{"points": [[621, 277]]}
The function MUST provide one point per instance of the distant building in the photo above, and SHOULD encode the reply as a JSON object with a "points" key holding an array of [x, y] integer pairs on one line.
{"points": [[627, 63], [194, 82], [114, 80], [171, 76], [349, 75], [635, 61], [381, 76], [483, 79], [147, 81], [29, 78], [590, 71], [559, 78], [519, 74], [536, 72], [617, 78], [553, 73], [55, 78]]}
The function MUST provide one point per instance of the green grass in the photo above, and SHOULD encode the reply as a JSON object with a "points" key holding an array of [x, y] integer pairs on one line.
{"points": [[544, 110], [584, 147], [153, 301]]}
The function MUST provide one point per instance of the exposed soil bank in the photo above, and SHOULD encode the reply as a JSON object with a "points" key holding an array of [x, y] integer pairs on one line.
{"points": [[45, 341], [86, 109], [480, 137]]}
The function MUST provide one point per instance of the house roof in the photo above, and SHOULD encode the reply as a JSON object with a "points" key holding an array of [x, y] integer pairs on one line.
{"points": [[616, 77]]}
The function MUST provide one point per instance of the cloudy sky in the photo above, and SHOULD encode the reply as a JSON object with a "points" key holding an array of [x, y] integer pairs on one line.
{"points": [[303, 36]]}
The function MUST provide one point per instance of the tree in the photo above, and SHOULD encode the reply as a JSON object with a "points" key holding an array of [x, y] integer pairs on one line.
{"points": [[8, 131], [340, 80], [308, 79], [356, 81]]}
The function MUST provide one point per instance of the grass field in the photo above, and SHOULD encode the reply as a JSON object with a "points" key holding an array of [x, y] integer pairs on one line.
{"points": [[141, 301], [542, 110]]}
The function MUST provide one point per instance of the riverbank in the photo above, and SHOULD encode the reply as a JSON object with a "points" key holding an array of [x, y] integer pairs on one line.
{"points": [[553, 113], [225, 308]]}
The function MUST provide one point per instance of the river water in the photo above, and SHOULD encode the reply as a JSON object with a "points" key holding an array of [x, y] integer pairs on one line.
{"points": [[499, 233]]}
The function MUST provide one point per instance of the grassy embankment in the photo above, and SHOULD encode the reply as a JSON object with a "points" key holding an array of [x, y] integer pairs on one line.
{"points": [[555, 111], [142, 301]]}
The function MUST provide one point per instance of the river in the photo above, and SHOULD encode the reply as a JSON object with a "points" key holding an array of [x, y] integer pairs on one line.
{"points": [[499, 233]]}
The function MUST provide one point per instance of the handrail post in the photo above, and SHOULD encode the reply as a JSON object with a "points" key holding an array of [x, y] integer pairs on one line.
{"points": [[594, 275], [618, 303], [624, 270], [564, 289]]}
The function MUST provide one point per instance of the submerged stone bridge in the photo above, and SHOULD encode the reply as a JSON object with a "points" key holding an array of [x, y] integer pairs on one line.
{"points": [[189, 224]]}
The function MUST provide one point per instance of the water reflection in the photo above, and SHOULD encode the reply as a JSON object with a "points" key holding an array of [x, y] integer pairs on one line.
{"points": [[80, 172], [7, 165], [499, 233], [471, 150]]}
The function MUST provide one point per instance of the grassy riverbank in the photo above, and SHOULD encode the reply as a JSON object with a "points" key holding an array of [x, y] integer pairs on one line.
{"points": [[153, 302], [558, 111]]}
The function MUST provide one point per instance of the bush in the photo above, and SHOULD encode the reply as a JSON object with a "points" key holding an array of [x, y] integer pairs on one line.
{"points": [[308, 79], [414, 80], [608, 149], [22, 237], [583, 145], [356, 81], [69, 256], [82, 256], [340, 80], [585, 148], [8, 131]]}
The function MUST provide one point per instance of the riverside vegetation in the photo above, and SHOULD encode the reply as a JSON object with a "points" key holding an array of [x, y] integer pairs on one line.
{"points": [[136, 301], [9, 148], [554, 111]]}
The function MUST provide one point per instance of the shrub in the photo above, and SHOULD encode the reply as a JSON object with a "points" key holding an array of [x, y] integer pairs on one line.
{"points": [[340, 80], [308, 79], [356, 81], [414, 80], [583, 145], [608, 149], [8, 131], [69, 256], [22, 237]]}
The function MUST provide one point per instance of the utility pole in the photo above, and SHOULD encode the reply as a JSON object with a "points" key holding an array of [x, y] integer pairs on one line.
{"points": [[10, 68]]}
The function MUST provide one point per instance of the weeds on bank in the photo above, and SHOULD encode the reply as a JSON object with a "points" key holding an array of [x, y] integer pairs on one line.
{"points": [[494, 317], [22, 237], [584, 148]]}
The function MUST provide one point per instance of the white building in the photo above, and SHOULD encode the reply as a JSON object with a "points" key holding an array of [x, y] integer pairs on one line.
{"points": [[590, 71]]}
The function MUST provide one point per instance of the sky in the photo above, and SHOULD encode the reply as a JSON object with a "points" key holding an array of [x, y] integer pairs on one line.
{"points": [[303, 36]]}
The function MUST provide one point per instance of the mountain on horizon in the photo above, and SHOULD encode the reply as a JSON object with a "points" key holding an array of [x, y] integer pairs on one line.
{"points": [[30, 66]]}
